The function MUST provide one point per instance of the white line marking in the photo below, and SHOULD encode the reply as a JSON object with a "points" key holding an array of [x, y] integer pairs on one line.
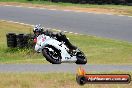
{"points": [[109, 14], [76, 33], [55, 30], [67, 10], [19, 6], [65, 31], [31, 7], [7, 5], [17, 22], [52, 9], [121, 15], [33, 25], [77, 11], [89, 12], [59, 30], [42, 8], [129, 16], [97, 13], [71, 32]]}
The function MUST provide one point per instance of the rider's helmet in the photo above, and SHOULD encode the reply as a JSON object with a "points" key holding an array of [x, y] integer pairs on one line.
{"points": [[37, 29]]}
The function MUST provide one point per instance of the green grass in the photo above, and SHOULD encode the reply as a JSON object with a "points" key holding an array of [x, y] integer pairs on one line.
{"points": [[16, 55], [98, 50], [104, 51], [118, 9], [49, 80], [13, 0]]}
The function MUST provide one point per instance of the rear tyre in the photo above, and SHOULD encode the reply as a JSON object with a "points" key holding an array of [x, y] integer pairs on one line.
{"points": [[20, 40], [129, 4], [55, 1], [81, 58], [91, 1], [52, 54], [11, 40], [26, 40]]}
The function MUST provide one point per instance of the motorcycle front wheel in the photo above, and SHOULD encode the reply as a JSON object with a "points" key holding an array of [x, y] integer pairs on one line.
{"points": [[52, 54], [81, 58]]}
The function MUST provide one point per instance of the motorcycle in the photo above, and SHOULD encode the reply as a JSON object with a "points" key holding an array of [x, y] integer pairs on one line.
{"points": [[57, 52]]}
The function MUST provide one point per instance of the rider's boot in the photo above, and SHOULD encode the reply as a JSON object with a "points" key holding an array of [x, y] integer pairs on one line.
{"points": [[62, 37]]}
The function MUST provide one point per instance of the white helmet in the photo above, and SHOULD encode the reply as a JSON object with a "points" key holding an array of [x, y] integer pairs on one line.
{"points": [[38, 28]]}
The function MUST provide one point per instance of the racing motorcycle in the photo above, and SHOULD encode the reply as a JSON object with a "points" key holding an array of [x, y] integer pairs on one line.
{"points": [[57, 52]]}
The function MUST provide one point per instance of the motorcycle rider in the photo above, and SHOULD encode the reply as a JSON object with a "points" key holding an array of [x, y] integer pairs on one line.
{"points": [[38, 30]]}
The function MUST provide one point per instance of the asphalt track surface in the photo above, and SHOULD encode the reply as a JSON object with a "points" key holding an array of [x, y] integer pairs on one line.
{"points": [[109, 26], [70, 68]]}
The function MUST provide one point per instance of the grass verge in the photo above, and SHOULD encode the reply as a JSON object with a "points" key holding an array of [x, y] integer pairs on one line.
{"points": [[113, 9], [98, 50], [49, 80]]}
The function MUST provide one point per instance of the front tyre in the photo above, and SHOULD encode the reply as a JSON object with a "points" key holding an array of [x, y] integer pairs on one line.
{"points": [[52, 54], [81, 58]]}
